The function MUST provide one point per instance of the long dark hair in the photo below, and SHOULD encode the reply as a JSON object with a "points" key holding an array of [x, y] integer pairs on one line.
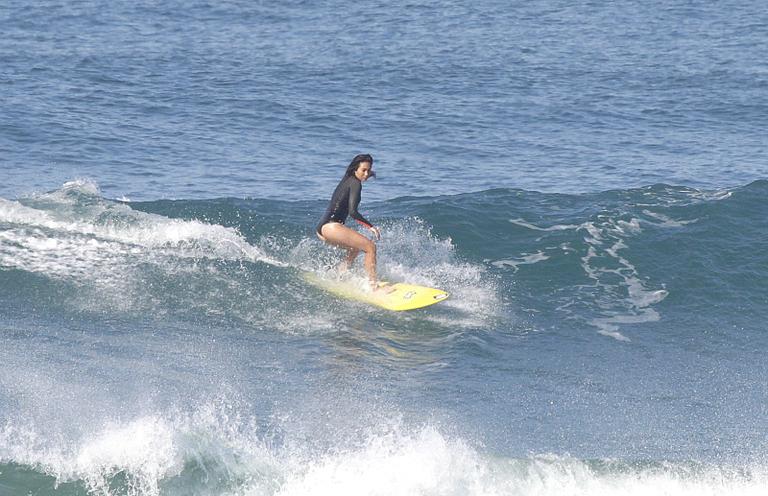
{"points": [[355, 163]]}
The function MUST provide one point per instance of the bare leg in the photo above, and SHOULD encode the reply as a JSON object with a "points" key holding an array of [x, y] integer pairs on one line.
{"points": [[347, 262], [340, 235]]}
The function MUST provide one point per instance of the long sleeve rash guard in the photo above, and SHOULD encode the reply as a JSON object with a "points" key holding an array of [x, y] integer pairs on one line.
{"points": [[344, 203]]}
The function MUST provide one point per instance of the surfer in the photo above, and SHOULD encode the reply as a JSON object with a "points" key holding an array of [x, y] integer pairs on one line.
{"points": [[344, 203]]}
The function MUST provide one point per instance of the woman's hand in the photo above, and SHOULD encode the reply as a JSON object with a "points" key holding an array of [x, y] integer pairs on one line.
{"points": [[376, 232]]}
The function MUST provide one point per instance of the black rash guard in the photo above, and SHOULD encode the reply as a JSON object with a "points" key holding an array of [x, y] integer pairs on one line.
{"points": [[344, 202]]}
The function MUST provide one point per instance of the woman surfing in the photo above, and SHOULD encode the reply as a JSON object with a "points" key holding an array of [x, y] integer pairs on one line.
{"points": [[343, 204]]}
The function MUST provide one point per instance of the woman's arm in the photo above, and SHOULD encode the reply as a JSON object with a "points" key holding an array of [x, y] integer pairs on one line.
{"points": [[355, 190]]}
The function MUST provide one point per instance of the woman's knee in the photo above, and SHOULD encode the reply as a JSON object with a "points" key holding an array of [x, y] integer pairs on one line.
{"points": [[370, 248]]}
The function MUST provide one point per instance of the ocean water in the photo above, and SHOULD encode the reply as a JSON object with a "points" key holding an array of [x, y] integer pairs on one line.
{"points": [[587, 180]]}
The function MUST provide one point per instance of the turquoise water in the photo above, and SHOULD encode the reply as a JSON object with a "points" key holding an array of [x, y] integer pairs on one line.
{"points": [[587, 181]]}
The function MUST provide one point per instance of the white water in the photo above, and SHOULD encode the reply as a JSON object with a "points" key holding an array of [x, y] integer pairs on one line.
{"points": [[151, 453]]}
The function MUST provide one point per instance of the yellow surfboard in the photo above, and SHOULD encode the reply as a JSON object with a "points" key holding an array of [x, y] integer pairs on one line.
{"points": [[401, 297]]}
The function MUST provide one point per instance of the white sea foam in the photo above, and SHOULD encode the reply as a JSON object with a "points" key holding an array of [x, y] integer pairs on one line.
{"points": [[155, 452], [602, 264], [526, 259], [143, 452], [122, 259], [144, 448], [557, 227], [93, 218], [410, 252], [75, 235], [425, 462], [619, 294], [666, 221]]}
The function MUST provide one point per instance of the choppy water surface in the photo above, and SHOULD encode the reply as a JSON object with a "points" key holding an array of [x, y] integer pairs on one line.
{"points": [[211, 99]]}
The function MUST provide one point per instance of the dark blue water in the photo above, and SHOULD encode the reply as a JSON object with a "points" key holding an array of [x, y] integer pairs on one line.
{"points": [[588, 181]]}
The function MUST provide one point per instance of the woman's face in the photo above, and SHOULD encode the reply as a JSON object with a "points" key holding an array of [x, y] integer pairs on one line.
{"points": [[363, 171]]}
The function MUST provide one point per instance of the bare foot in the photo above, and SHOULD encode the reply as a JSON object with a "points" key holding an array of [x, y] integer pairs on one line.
{"points": [[382, 288]]}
